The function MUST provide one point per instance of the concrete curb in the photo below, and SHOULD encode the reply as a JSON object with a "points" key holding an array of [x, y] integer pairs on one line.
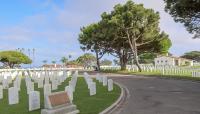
{"points": [[120, 100]]}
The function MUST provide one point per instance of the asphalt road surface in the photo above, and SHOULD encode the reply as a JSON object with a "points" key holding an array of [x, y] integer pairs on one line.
{"points": [[149, 95]]}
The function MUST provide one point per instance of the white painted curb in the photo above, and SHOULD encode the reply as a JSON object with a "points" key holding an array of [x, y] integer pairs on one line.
{"points": [[116, 102]]}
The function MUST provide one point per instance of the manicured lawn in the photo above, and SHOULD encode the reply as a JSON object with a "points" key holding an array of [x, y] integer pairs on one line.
{"points": [[195, 66], [154, 74], [85, 103]]}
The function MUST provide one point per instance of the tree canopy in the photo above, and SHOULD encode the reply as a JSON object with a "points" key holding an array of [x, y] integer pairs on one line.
{"points": [[87, 60], [64, 60], [134, 26], [12, 58], [126, 32], [106, 62], [53, 62], [194, 55], [91, 38], [147, 58], [44, 61], [73, 62], [186, 12]]}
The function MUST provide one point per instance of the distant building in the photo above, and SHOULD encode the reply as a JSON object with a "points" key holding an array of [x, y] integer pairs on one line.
{"points": [[172, 61], [61, 66], [52, 66]]}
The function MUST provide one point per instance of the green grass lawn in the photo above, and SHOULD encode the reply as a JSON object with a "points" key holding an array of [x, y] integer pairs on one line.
{"points": [[85, 103], [154, 74], [195, 67]]}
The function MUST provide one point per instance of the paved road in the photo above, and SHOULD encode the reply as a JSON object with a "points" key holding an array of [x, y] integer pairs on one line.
{"points": [[160, 96]]}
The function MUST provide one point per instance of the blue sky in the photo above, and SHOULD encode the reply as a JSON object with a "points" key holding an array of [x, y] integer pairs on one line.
{"points": [[52, 26]]}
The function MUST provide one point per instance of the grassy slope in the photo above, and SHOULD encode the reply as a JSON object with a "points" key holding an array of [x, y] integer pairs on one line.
{"points": [[154, 74], [85, 103]]}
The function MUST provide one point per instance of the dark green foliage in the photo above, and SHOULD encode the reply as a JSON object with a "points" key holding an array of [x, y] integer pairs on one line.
{"points": [[126, 32], [106, 62], [147, 58], [194, 55], [87, 60], [135, 30], [44, 61], [64, 60], [73, 62], [53, 62], [12, 58], [160, 45], [186, 12], [92, 38]]}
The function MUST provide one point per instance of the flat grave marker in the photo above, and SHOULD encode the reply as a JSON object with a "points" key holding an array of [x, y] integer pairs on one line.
{"points": [[56, 99]]}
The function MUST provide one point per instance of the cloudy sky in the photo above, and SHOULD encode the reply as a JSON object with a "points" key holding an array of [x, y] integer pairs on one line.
{"points": [[52, 26]]}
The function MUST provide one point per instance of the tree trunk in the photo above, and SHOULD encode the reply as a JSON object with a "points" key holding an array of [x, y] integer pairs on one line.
{"points": [[10, 65], [123, 66], [97, 60], [136, 57], [133, 45], [137, 63], [98, 65], [123, 62]]}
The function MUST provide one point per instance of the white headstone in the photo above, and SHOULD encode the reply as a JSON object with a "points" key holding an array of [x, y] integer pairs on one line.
{"points": [[16, 84], [30, 87], [1, 78], [47, 89], [69, 91], [110, 84], [9, 78], [100, 78], [1, 92], [34, 100], [92, 88], [46, 80], [71, 84], [5, 84], [105, 81], [54, 86], [40, 83], [13, 95]]}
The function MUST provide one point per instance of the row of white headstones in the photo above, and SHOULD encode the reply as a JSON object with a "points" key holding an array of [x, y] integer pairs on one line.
{"points": [[92, 85], [48, 80], [195, 74], [6, 78], [164, 70], [70, 89]]}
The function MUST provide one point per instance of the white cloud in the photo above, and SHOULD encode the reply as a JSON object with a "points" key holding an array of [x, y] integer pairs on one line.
{"points": [[54, 33], [15, 33]]}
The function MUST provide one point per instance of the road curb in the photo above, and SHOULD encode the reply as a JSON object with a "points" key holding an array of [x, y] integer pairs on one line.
{"points": [[117, 104]]}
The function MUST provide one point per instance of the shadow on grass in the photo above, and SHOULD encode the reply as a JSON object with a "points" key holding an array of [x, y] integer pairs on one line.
{"points": [[85, 103]]}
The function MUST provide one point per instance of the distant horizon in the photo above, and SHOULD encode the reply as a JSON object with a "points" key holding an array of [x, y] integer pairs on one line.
{"points": [[52, 27]]}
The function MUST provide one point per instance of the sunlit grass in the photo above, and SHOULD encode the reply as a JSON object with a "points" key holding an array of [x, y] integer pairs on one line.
{"points": [[85, 103], [185, 75]]}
